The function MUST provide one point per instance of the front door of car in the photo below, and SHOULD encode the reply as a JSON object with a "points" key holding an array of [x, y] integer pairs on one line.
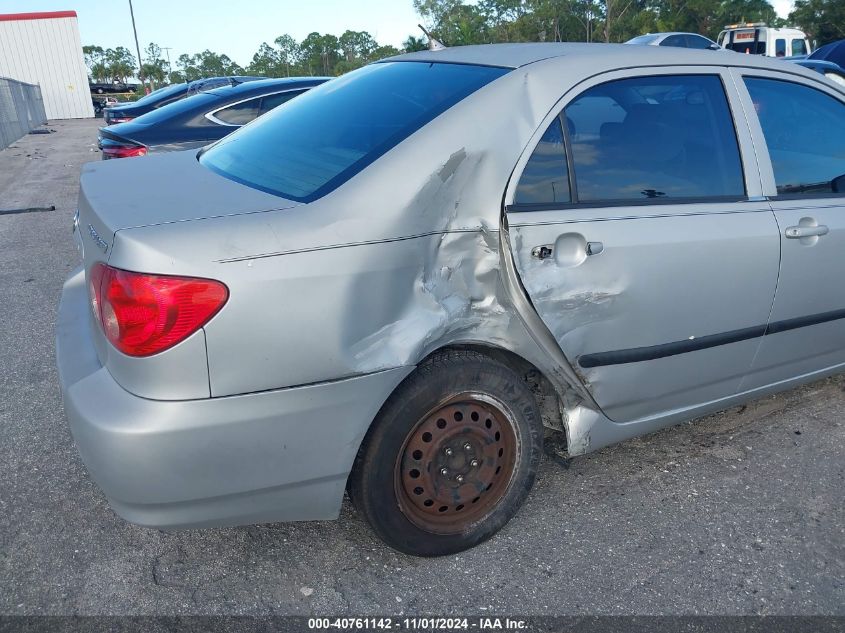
{"points": [[799, 127], [640, 235]]}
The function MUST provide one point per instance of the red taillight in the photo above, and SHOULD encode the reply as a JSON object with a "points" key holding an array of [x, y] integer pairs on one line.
{"points": [[123, 151], [142, 314], [120, 119]]}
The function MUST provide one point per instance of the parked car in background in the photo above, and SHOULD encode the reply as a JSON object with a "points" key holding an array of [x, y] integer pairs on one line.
{"points": [[114, 86], [681, 40], [756, 38], [391, 283], [200, 119], [832, 71], [123, 112], [100, 103], [833, 52]]}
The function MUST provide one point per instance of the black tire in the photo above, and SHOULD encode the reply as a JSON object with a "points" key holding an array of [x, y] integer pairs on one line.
{"points": [[462, 383]]}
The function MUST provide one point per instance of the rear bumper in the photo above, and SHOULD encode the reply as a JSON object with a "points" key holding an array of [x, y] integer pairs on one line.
{"points": [[279, 455]]}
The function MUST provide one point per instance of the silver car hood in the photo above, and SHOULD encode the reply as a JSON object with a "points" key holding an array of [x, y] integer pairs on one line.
{"points": [[164, 188]]}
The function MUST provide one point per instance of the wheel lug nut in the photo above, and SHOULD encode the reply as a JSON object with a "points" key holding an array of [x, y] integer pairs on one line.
{"points": [[467, 446], [459, 478], [474, 463], [448, 451], [444, 471]]}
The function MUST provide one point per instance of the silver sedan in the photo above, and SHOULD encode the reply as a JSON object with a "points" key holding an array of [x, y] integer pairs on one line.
{"points": [[393, 283]]}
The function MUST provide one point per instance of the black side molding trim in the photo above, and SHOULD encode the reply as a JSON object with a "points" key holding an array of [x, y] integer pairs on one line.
{"points": [[653, 352]]}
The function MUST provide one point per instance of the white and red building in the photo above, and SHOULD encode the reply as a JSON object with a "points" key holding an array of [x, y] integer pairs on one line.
{"points": [[45, 49]]}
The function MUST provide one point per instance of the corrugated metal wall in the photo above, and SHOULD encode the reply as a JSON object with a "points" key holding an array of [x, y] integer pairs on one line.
{"points": [[48, 52]]}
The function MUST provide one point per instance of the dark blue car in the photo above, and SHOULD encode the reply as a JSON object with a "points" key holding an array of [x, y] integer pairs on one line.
{"points": [[200, 119], [123, 112]]}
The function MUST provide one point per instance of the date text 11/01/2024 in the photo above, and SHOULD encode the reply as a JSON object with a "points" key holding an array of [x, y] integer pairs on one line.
{"points": [[429, 623]]}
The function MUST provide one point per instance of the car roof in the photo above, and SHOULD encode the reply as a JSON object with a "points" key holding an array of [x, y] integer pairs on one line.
{"points": [[605, 56], [818, 63], [678, 33], [263, 85]]}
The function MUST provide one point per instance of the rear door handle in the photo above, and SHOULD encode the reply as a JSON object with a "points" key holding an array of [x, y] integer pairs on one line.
{"points": [[797, 232]]}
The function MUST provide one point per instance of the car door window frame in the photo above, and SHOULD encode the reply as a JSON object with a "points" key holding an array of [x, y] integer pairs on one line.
{"points": [[748, 162], [295, 93], [767, 173], [212, 116]]}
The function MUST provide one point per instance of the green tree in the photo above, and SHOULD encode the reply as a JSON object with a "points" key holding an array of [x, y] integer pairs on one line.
{"points": [[120, 63], [187, 67], [356, 45], [207, 64], [319, 54], [823, 20], [708, 17], [154, 68], [289, 53], [95, 61], [413, 44], [266, 62]]}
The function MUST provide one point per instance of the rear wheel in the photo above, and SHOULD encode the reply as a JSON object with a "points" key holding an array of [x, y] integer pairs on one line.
{"points": [[451, 456]]}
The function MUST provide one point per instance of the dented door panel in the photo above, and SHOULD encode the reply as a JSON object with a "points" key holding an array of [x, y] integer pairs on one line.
{"points": [[629, 319]]}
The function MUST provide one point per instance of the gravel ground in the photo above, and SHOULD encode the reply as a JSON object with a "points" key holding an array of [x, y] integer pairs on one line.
{"points": [[738, 513]]}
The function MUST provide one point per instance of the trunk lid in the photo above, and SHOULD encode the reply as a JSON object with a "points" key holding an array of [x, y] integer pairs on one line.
{"points": [[172, 187]]}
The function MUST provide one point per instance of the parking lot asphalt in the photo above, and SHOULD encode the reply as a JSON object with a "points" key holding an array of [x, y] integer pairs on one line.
{"points": [[739, 513]]}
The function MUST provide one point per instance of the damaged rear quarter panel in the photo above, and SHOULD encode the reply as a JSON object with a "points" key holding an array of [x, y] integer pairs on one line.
{"points": [[401, 260]]}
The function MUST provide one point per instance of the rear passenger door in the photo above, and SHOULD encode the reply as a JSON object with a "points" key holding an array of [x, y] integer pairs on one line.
{"points": [[799, 129], [641, 237]]}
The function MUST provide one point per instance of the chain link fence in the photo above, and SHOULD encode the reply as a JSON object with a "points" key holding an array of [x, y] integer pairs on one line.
{"points": [[21, 110]]}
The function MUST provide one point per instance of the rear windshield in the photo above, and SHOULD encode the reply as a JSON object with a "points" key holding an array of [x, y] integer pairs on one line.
{"points": [[642, 39], [743, 42], [177, 108], [161, 93], [317, 142]]}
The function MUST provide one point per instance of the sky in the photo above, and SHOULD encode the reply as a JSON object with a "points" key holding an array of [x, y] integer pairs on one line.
{"points": [[236, 28]]}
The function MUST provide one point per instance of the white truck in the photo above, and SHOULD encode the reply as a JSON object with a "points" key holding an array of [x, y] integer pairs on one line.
{"points": [[756, 38]]}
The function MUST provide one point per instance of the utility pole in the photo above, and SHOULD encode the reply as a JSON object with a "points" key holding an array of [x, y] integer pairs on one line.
{"points": [[167, 50], [137, 47]]}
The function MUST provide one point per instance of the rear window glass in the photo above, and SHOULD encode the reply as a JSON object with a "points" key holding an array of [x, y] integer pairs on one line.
{"points": [[744, 42], [162, 94], [642, 39], [175, 109], [239, 113], [320, 140], [274, 101]]}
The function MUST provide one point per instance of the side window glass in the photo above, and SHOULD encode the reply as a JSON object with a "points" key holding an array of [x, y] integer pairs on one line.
{"points": [[798, 47], [240, 113], [545, 178], [780, 48], [273, 101], [805, 133], [674, 40], [655, 137], [694, 41]]}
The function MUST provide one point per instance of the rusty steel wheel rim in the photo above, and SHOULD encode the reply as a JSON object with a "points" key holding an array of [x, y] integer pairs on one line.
{"points": [[457, 463]]}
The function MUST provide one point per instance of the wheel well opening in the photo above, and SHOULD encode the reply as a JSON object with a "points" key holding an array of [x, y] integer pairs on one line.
{"points": [[546, 396]]}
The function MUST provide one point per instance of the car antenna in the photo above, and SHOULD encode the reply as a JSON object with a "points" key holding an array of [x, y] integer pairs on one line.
{"points": [[433, 43]]}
